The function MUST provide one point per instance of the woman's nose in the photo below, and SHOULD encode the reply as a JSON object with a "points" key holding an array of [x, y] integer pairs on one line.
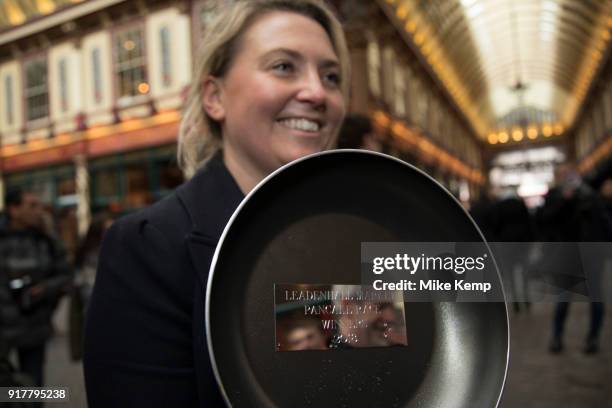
{"points": [[312, 89]]}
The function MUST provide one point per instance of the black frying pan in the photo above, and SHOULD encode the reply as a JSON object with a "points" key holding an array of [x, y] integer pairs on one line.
{"points": [[305, 224]]}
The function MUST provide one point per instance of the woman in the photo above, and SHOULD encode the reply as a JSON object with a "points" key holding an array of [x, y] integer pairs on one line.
{"points": [[270, 87]]}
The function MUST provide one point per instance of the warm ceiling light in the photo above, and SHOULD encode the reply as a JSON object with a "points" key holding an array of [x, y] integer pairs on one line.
{"points": [[15, 14], [547, 130], [143, 87], [411, 25], [402, 12], [45, 6], [558, 129], [601, 45], [503, 137], [381, 119], [517, 135], [129, 45], [492, 138], [532, 132], [419, 38]]}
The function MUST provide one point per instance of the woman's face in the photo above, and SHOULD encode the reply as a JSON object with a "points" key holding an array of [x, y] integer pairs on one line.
{"points": [[281, 98]]}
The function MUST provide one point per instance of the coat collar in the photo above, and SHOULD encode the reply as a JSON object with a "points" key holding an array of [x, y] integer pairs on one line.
{"points": [[210, 198]]}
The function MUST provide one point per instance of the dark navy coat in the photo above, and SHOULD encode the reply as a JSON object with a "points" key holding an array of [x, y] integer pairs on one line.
{"points": [[145, 341]]}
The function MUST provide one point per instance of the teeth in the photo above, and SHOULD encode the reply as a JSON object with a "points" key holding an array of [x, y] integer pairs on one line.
{"points": [[301, 124]]}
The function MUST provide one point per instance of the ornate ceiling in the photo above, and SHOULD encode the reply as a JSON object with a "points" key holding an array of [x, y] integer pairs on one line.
{"points": [[17, 12], [510, 63]]}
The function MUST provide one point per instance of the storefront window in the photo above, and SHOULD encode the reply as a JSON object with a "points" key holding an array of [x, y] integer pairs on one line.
{"points": [[36, 89], [63, 83], [8, 99], [106, 183], [164, 38], [130, 61], [97, 75], [137, 185]]}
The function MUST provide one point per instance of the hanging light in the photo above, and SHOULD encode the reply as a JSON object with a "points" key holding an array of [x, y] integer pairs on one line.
{"points": [[503, 137], [532, 132], [517, 135]]}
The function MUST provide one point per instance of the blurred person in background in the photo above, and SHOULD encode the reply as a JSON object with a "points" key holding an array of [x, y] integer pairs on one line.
{"points": [[483, 212], [34, 268], [357, 133], [606, 195], [9, 316], [573, 213], [86, 263], [3, 220], [513, 225]]}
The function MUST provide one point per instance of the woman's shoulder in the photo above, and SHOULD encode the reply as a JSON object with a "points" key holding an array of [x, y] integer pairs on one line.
{"points": [[203, 204], [166, 217]]}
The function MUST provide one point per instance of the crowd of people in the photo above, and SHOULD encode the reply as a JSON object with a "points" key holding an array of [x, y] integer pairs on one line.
{"points": [[36, 271], [570, 226]]}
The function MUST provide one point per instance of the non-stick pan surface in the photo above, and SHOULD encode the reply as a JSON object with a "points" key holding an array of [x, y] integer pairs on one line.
{"points": [[305, 224]]}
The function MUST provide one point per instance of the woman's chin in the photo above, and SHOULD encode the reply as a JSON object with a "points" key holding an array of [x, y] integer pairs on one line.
{"points": [[298, 152]]}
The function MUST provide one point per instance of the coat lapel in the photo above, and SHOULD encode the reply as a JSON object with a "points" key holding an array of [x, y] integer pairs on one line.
{"points": [[210, 198]]}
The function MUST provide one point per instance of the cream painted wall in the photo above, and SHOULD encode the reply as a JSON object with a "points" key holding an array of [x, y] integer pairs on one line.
{"points": [[97, 111], [11, 132], [80, 75], [180, 55], [64, 119]]}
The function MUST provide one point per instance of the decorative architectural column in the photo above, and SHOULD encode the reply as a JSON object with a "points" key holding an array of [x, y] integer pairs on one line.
{"points": [[82, 192]]}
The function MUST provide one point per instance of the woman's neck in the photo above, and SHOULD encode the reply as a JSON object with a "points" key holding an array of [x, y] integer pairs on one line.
{"points": [[246, 178]]}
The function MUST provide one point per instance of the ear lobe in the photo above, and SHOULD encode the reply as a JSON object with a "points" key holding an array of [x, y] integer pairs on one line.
{"points": [[211, 99]]}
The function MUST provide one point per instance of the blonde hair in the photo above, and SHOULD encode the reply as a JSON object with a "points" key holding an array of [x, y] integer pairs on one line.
{"points": [[200, 136]]}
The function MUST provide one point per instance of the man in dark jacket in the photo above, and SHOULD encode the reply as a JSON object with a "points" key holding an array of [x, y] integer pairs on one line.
{"points": [[34, 274], [513, 225], [573, 213]]}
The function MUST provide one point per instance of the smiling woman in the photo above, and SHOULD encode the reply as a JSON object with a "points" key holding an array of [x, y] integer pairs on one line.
{"points": [[270, 87], [289, 46], [281, 98]]}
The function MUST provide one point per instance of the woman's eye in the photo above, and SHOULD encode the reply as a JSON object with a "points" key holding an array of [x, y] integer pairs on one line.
{"points": [[332, 78], [283, 67]]}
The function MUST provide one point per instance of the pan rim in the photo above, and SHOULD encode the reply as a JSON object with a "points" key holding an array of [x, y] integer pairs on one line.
{"points": [[246, 199]]}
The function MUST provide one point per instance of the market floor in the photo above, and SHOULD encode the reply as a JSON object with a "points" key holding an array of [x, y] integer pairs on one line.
{"points": [[571, 379], [60, 370], [536, 378]]}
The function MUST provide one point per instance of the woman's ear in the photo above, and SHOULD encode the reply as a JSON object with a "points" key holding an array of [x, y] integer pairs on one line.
{"points": [[212, 99]]}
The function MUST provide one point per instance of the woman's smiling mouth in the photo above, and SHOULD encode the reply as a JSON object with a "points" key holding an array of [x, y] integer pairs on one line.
{"points": [[302, 124]]}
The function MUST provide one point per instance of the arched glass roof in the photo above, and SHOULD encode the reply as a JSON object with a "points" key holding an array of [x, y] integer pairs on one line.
{"points": [[499, 57], [16, 12]]}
